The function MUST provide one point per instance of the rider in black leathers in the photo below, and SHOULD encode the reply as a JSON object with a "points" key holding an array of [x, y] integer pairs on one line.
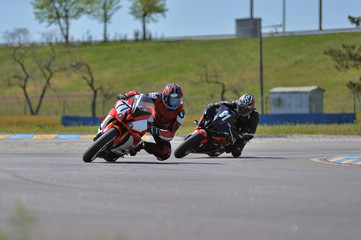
{"points": [[247, 121]]}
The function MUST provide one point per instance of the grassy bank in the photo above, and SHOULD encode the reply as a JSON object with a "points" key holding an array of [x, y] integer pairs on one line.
{"points": [[149, 66]]}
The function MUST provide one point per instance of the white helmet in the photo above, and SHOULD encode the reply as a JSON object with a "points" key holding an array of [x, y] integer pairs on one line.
{"points": [[245, 104]]}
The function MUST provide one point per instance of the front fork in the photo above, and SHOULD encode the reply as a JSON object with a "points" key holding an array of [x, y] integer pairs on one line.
{"points": [[108, 123]]}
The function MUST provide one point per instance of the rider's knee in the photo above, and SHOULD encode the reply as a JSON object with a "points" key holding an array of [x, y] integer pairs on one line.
{"points": [[164, 154]]}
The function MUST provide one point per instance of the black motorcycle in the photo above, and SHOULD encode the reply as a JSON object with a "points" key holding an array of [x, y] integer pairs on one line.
{"points": [[213, 135]]}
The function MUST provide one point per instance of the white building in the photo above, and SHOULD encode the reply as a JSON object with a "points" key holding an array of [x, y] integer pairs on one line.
{"points": [[296, 100]]}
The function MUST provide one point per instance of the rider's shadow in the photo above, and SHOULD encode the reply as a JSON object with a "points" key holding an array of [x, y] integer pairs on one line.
{"points": [[238, 158], [161, 162], [193, 159]]}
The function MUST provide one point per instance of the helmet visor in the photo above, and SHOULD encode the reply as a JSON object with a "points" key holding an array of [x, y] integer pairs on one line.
{"points": [[244, 110], [174, 101]]}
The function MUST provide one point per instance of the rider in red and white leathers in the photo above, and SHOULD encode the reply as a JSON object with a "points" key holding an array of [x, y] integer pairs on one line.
{"points": [[169, 115]]}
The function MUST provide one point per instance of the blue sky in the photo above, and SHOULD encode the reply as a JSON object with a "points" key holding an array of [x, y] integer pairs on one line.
{"points": [[191, 17]]}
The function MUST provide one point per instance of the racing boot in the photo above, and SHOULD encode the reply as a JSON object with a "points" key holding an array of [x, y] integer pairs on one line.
{"points": [[135, 150], [237, 150]]}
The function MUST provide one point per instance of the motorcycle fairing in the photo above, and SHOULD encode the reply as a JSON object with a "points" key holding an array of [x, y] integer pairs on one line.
{"points": [[130, 117], [125, 147], [140, 126], [215, 126]]}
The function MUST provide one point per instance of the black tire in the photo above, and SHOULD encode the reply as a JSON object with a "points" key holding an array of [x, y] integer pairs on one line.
{"points": [[186, 147], [213, 154], [91, 153]]}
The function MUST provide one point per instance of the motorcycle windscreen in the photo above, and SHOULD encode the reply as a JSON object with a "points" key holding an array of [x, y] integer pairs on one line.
{"points": [[222, 120], [224, 115], [143, 105]]}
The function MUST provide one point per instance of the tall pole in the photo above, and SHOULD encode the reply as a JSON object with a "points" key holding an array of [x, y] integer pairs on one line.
{"points": [[284, 16], [320, 16], [260, 64], [251, 10]]}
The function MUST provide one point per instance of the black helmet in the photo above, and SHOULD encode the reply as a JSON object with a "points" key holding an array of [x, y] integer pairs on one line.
{"points": [[245, 104], [172, 96]]}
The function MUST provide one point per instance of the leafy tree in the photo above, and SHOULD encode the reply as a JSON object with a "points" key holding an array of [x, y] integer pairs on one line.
{"points": [[146, 11], [348, 57], [102, 10], [355, 20], [58, 12]]}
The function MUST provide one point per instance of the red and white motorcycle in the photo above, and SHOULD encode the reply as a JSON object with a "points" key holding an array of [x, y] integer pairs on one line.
{"points": [[122, 129]]}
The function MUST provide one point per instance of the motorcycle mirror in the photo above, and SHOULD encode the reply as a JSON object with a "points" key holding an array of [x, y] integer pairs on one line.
{"points": [[196, 122]]}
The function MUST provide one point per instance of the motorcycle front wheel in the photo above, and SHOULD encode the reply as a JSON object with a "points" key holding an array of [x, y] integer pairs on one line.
{"points": [[188, 145], [93, 150]]}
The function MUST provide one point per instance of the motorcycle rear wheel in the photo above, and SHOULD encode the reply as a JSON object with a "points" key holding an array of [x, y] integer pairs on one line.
{"points": [[188, 145], [92, 152]]}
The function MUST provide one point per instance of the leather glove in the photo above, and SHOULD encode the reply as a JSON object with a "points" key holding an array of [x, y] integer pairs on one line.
{"points": [[154, 95], [121, 96], [154, 130], [211, 105]]}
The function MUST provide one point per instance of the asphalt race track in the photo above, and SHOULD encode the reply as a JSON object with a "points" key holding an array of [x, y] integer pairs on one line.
{"points": [[281, 188]]}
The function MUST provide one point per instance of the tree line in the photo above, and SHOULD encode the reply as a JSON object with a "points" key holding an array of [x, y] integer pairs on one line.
{"points": [[62, 12]]}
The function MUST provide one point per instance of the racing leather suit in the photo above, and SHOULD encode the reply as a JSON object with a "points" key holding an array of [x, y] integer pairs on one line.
{"points": [[166, 122], [246, 126]]}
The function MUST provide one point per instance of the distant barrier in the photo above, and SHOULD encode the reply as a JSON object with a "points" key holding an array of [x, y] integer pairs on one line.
{"points": [[311, 118], [79, 120], [265, 119]]}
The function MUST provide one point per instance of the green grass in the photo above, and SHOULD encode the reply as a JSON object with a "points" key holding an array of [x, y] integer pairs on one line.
{"points": [[312, 129], [149, 66], [40, 129]]}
